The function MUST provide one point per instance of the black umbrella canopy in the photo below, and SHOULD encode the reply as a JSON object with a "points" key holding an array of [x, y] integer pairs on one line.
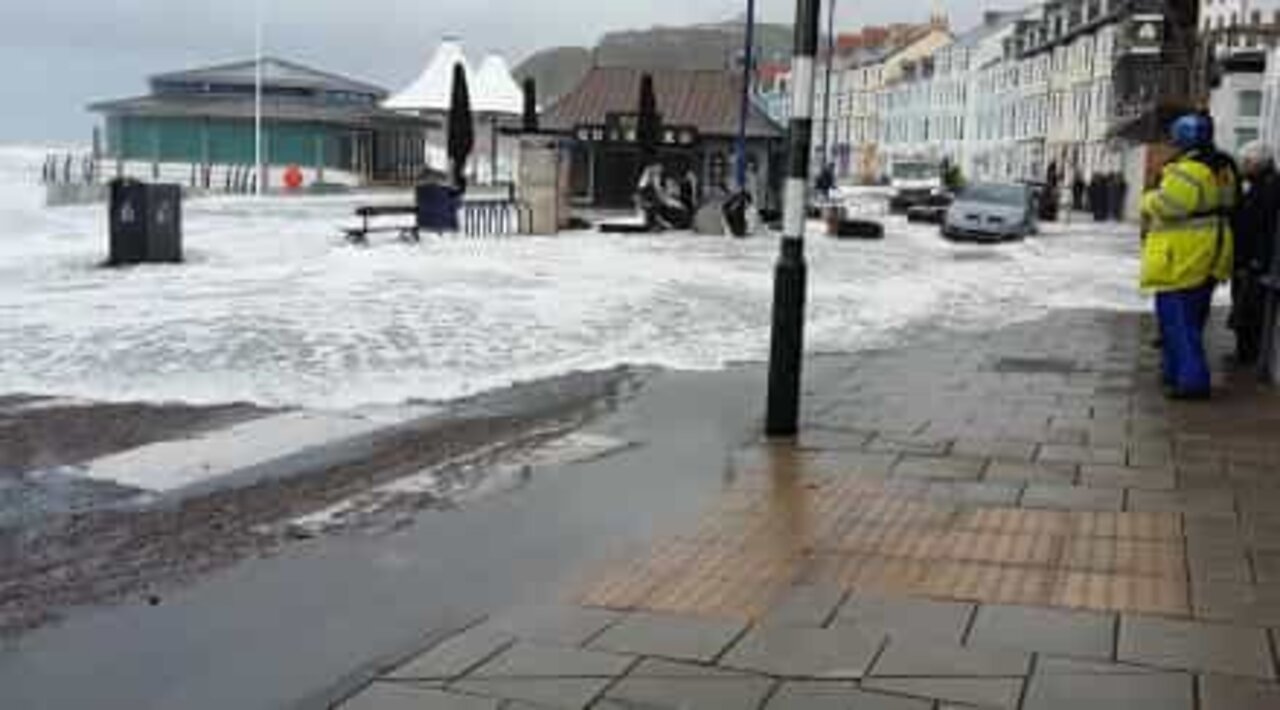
{"points": [[648, 123], [530, 123], [462, 136]]}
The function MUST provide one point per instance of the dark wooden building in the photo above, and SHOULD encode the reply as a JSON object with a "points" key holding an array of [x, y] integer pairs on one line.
{"points": [[699, 113]]}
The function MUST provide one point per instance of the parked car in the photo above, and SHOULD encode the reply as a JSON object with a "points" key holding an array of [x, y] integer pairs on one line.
{"points": [[991, 212]]}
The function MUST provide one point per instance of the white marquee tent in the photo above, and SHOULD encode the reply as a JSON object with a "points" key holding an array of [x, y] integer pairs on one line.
{"points": [[492, 89], [496, 91], [495, 98], [432, 89]]}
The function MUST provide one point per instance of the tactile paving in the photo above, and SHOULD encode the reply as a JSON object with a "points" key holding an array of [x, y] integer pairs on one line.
{"points": [[886, 538]]}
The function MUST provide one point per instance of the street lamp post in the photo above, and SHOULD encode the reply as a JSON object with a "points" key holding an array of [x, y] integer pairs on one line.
{"points": [[748, 59], [790, 274], [826, 93]]}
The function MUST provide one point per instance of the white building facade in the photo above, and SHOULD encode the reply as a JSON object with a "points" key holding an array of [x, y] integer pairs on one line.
{"points": [[962, 106], [1064, 88], [1271, 101], [860, 85], [906, 105], [1237, 102], [1244, 36], [1223, 15], [1042, 94], [863, 84], [1020, 95], [1001, 145]]}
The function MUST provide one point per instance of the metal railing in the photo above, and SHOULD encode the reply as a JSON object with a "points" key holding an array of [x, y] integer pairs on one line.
{"points": [[494, 217], [86, 169]]}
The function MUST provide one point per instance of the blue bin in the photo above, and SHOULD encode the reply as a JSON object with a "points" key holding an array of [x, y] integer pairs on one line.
{"points": [[437, 208]]}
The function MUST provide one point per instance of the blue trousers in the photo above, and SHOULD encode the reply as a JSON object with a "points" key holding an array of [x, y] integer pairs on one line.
{"points": [[1183, 316]]}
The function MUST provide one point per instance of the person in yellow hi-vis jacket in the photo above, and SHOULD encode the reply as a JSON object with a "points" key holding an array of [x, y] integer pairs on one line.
{"points": [[1188, 249]]}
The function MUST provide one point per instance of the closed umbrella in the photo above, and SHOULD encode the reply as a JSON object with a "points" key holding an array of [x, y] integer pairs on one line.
{"points": [[461, 127], [530, 122], [648, 123]]}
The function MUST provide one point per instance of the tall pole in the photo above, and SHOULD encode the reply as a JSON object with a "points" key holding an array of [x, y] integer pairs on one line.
{"points": [[257, 98], [826, 94], [748, 62], [790, 275]]}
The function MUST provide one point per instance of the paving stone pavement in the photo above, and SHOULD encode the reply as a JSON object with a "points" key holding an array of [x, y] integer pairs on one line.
{"points": [[657, 683], [908, 618], [1152, 691], [798, 652], [1054, 631], [808, 695], [670, 636], [1196, 646], [1013, 520]]}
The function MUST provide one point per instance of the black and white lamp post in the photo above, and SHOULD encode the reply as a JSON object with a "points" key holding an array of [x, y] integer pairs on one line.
{"points": [[789, 280], [748, 62], [827, 132]]}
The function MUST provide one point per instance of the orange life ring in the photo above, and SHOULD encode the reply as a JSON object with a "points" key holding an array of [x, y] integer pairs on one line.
{"points": [[293, 177]]}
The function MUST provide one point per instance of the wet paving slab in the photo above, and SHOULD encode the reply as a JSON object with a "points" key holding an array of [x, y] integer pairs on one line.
{"points": [[972, 527], [1024, 523]]}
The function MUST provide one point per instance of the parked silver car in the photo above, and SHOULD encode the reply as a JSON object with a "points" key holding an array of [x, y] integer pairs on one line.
{"points": [[991, 212]]}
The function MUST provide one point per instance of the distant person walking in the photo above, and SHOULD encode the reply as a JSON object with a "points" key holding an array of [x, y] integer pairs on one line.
{"points": [[1117, 195], [1188, 249], [826, 181], [1098, 197], [1255, 231], [1077, 192]]}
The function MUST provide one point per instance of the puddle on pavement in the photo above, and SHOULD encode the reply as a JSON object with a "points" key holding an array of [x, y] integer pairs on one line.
{"points": [[493, 471], [788, 520]]}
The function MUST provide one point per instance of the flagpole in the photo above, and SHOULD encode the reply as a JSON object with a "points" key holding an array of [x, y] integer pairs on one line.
{"points": [[257, 99]]}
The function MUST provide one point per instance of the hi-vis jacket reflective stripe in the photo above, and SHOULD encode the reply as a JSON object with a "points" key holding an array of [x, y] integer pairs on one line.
{"points": [[1189, 239]]}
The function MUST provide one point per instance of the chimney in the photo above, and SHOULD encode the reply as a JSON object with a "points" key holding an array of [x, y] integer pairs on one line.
{"points": [[938, 17]]}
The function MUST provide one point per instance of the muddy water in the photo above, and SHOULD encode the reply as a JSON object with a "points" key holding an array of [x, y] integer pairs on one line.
{"points": [[67, 541], [269, 633]]}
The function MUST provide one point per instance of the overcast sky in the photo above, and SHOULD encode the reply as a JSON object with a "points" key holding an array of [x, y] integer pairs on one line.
{"points": [[59, 55]]}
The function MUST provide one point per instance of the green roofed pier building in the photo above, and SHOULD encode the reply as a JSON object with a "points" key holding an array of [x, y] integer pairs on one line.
{"points": [[312, 119]]}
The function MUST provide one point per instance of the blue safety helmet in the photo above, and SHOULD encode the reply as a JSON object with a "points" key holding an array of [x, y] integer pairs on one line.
{"points": [[1194, 130]]}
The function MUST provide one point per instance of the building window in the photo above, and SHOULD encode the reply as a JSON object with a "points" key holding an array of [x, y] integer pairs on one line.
{"points": [[1249, 104], [1245, 135]]}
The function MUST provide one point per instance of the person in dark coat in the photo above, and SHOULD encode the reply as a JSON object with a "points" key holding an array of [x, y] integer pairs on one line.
{"points": [[1077, 192], [826, 181], [1098, 197], [1119, 193], [1255, 230]]}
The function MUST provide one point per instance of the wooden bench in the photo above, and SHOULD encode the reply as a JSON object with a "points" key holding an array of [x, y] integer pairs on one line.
{"points": [[360, 235]]}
